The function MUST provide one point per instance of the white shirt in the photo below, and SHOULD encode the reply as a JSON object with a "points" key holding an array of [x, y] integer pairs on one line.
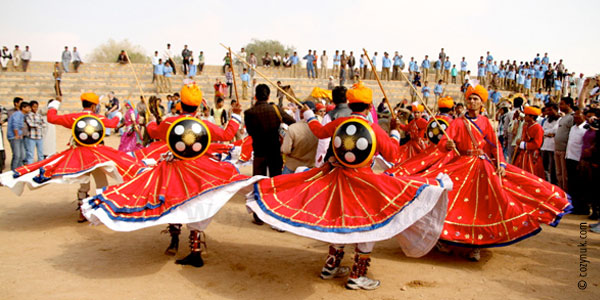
{"points": [[155, 59], [242, 55], [168, 53], [549, 127], [575, 141], [26, 55], [76, 56]]}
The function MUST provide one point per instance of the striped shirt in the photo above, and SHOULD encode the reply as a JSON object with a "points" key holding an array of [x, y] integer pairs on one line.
{"points": [[35, 124]]}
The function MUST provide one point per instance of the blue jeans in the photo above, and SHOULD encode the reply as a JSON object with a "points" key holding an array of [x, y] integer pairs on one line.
{"points": [[30, 145], [18, 150], [310, 70], [286, 170]]}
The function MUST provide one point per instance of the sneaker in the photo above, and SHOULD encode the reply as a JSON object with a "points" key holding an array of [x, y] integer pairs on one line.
{"points": [[362, 282], [327, 273], [474, 255]]}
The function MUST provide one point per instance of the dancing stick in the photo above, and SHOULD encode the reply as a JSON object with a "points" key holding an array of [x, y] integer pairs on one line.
{"points": [[233, 74], [295, 100], [498, 157], [385, 98], [138, 85]]}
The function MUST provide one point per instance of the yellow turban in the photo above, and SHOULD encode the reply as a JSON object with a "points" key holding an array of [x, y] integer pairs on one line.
{"points": [[419, 107], [479, 91], [90, 97], [446, 102], [532, 110], [191, 95], [359, 93], [320, 93]]}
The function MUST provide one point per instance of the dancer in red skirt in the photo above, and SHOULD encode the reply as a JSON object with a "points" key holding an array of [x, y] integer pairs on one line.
{"points": [[85, 156], [416, 130], [185, 187], [344, 202], [528, 156], [492, 204]]}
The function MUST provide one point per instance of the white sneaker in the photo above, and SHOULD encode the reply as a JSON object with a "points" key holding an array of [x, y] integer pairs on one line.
{"points": [[335, 272], [362, 282]]}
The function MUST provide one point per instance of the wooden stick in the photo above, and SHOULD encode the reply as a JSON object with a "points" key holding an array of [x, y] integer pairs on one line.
{"points": [[138, 85], [385, 98], [498, 157], [512, 159], [237, 97], [295, 100], [427, 108]]}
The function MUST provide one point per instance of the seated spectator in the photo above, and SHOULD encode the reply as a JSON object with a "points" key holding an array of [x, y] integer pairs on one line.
{"points": [[122, 59]]}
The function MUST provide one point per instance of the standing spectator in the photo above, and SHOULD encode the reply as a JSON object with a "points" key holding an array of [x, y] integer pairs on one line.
{"points": [[239, 61], [463, 69], [168, 58], [5, 57], [561, 139], [324, 61], [310, 71], [374, 61], [15, 128], [57, 74], [315, 63], [588, 165], [438, 90], [343, 64], [386, 64], [527, 86], [441, 56], [229, 80], [66, 59], [295, 61], [200, 62], [447, 66], [159, 70], [25, 58], [396, 68], [426, 92], [363, 66], [186, 54], [351, 64], [299, 145], [16, 57], [76, 60], [454, 73], [112, 108], [481, 71], [49, 132], [262, 123], [336, 63], [549, 125], [557, 88], [155, 62], [168, 72], [412, 65], [425, 65], [245, 77], [34, 137], [193, 70], [573, 155]]}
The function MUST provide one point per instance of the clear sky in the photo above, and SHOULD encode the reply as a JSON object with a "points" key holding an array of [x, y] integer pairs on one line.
{"points": [[515, 29]]}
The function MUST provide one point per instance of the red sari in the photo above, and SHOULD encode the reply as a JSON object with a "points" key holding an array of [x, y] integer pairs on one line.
{"points": [[485, 210], [530, 158]]}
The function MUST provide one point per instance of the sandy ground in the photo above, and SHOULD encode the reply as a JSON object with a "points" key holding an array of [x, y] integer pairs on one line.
{"points": [[45, 254]]}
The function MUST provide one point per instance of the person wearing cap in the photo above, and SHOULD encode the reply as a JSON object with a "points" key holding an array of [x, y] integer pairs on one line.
{"points": [[181, 191], [416, 130], [342, 204], [78, 162], [529, 157], [502, 200]]}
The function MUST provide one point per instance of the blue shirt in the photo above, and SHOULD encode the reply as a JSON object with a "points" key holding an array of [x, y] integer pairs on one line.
{"points": [[539, 74], [362, 62], [374, 60], [425, 90], [481, 63], [398, 61], [544, 67], [295, 59], [557, 84], [463, 66], [386, 62], [489, 68], [167, 71], [536, 60], [527, 83], [336, 60], [438, 64], [511, 75], [495, 69], [546, 59], [490, 58], [192, 71], [309, 60], [245, 77], [520, 79], [447, 65], [481, 71], [425, 64], [438, 89], [159, 69], [411, 66], [539, 96], [501, 74], [495, 96], [16, 121]]}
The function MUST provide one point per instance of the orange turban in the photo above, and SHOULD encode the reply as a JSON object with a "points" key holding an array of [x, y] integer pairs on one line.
{"points": [[532, 110], [359, 93], [191, 95], [419, 107], [446, 102], [479, 91], [90, 97]]}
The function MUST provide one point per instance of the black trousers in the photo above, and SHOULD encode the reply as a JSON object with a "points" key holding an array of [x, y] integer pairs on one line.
{"points": [[172, 64], [574, 186], [272, 163], [186, 66], [2, 160]]}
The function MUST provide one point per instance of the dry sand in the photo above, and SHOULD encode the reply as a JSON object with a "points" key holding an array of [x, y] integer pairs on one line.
{"points": [[45, 254]]}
